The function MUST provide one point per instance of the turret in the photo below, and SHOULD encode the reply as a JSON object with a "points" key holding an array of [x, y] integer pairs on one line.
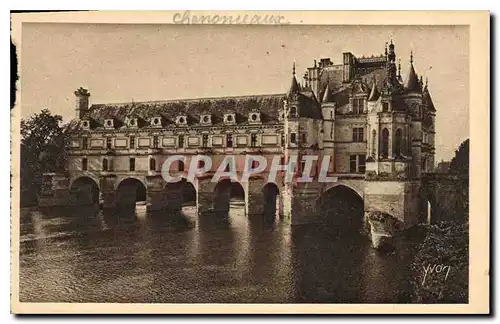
{"points": [[294, 87], [412, 83], [82, 102]]}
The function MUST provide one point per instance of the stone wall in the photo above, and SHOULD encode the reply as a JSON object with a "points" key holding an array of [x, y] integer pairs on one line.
{"points": [[447, 195]]}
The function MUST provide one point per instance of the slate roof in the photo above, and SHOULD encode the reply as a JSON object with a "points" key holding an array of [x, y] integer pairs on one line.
{"points": [[268, 105]]}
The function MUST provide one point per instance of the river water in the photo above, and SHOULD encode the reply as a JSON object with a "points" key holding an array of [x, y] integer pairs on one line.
{"points": [[85, 255]]}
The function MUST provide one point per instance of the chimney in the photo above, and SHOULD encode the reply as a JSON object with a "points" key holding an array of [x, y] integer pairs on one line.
{"points": [[82, 102], [348, 71], [313, 77]]}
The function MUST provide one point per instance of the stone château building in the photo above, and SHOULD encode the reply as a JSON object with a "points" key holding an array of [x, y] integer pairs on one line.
{"points": [[377, 126]]}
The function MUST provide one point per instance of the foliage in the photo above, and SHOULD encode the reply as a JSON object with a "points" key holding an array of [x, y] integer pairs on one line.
{"points": [[460, 165], [43, 149], [446, 243], [460, 162]]}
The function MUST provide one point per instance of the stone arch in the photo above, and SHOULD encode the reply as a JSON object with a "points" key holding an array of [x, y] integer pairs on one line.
{"points": [[129, 192], [187, 190], [351, 186], [84, 190], [226, 190], [398, 142], [341, 208], [384, 143]]}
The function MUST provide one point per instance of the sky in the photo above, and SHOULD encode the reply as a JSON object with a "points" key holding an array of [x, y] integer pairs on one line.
{"points": [[124, 63]]}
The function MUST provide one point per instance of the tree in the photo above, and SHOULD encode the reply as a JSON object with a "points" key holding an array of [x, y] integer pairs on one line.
{"points": [[460, 165], [43, 149], [460, 162]]}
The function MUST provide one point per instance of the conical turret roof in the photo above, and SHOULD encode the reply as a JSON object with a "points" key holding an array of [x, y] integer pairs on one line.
{"points": [[327, 96], [412, 83], [428, 100], [294, 87]]}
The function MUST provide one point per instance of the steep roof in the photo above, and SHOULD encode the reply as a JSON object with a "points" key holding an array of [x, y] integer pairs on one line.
{"points": [[428, 100], [268, 105], [412, 83]]}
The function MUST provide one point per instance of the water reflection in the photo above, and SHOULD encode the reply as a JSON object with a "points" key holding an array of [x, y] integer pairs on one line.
{"points": [[87, 255]]}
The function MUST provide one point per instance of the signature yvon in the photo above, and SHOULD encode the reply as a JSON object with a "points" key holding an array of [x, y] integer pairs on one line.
{"points": [[436, 269]]}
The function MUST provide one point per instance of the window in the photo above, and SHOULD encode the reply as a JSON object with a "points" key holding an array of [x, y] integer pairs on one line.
{"points": [[357, 134], [304, 137], [282, 139], [374, 143], [152, 164], [180, 141], [132, 142], [85, 143], [358, 105], [229, 140], [204, 140], [105, 165], [361, 163], [352, 164], [293, 138], [255, 164], [385, 143], [253, 140], [180, 165], [385, 106], [357, 163], [108, 142], [201, 164], [398, 141], [84, 164], [132, 122], [302, 166], [155, 141], [293, 112], [132, 164]]}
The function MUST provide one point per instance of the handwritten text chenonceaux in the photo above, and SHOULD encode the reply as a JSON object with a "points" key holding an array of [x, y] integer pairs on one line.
{"points": [[188, 18]]}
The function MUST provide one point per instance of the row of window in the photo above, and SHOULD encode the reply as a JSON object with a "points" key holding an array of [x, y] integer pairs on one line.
{"points": [[204, 140], [399, 148], [106, 165], [357, 164]]}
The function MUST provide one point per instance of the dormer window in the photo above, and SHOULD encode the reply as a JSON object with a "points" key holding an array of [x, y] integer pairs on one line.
{"points": [[181, 120], [229, 118], [254, 117], [293, 112], [109, 123], [156, 122], [132, 122], [206, 119], [85, 124]]}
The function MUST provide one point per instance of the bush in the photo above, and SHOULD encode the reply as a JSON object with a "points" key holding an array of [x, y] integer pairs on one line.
{"points": [[446, 244]]}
